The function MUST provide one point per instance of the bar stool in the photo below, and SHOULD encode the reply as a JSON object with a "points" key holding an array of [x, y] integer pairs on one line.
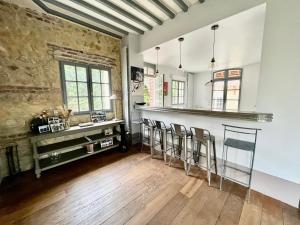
{"points": [[162, 130], [147, 133], [180, 133], [203, 137], [246, 146]]}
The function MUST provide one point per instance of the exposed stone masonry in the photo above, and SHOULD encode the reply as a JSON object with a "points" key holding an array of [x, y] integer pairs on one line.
{"points": [[31, 45]]}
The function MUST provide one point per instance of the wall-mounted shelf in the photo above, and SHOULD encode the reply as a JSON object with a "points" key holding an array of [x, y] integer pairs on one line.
{"points": [[75, 147]]}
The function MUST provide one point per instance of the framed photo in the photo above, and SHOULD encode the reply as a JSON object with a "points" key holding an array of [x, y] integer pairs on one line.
{"points": [[137, 74]]}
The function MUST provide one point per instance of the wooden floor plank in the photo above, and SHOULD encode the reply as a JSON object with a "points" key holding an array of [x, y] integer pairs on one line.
{"points": [[132, 208], [272, 212], [116, 188], [291, 216], [252, 210], [189, 213], [191, 187], [153, 207], [167, 214], [233, 207], [214, 204], [83, 196]]}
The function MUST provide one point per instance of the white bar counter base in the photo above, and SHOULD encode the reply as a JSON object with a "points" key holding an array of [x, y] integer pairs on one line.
{"points": [[263, 180]]}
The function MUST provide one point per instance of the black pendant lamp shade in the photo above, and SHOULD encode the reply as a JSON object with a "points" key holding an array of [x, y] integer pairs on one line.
{"points": [[180, 41]]}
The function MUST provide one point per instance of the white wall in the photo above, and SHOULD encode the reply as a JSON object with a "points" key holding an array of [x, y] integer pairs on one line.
{"points": [[250, 78], [279, 92], [250, 81], [202, 93]]}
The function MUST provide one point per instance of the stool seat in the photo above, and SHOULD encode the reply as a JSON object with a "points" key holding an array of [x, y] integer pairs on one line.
{"points": [[239, 144]]}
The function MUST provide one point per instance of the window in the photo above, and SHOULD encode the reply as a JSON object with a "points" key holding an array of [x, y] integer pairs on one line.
{"points": [[177, 92], [226, 89], [85, 88], [153, 86]]}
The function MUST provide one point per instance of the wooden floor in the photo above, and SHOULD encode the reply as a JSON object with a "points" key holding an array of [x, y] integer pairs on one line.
{"points": [[132, 188]]}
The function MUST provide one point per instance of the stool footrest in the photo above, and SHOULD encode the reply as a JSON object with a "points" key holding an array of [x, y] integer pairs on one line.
{"points": [[237, 169]]}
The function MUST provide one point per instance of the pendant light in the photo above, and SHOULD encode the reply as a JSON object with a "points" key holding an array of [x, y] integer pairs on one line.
{"points": [[180, 41], [157, 49], [213, 60]]}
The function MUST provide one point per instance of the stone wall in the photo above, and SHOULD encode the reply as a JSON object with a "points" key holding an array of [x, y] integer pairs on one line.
{"points": [[29, 72]]}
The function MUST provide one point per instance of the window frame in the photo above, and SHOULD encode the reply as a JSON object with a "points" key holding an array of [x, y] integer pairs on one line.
{"points": [[89, 82], [151, 66], [179, 81], [226, 79]]}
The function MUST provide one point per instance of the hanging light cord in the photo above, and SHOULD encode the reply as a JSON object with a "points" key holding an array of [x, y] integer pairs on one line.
{"points": [[213, 53], [180, 52], [214, 43], [157, 61]]}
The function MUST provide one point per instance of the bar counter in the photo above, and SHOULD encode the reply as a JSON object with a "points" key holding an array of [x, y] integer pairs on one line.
{"points": [[241, 115]]}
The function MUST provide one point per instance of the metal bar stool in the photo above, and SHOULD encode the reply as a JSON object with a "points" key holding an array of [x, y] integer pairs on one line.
{"points": [[203, 137], [162, 130], [147, 134], [180, 133], [246, 146]]}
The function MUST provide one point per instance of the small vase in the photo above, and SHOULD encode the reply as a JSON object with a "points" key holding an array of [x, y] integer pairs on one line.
{"points": [[67, 124]]}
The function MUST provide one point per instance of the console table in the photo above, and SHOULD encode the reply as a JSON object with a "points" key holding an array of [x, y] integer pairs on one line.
{"points": [[74, 148]]}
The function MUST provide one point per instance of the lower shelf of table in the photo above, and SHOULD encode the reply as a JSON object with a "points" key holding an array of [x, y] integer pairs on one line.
{"points": [[48, 163]]}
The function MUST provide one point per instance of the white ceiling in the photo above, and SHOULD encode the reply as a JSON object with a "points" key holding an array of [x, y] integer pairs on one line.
{"points": [[238, 43]]}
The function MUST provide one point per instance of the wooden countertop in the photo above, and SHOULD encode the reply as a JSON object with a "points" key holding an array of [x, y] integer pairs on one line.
{"points": [[252, 116]]}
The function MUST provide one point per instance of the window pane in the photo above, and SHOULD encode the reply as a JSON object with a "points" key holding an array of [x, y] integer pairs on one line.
{"points": [[82, 89], [180, 100], [73, 103], [181, 85], [232, 105], [81, 73], [97, 103], [233, 95], [106, 103], [217, 104], [218, 85], [71, 88], [233, 84], [96, 89], [219, 75], [70, 72], [105, 90], [176, 84], [96, 75], [150, 71], [104, 76], [145, 70], [181, 93], [218, 94], [234, 73], [84, 104], [174, 92], [175, 100]]}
